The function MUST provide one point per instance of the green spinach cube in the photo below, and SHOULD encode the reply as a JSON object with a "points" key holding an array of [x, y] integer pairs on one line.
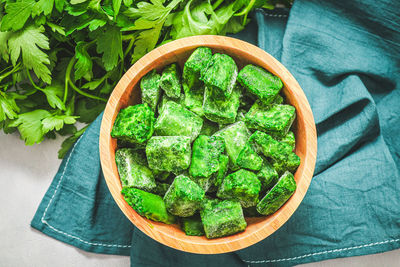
{"points": [[205, 157], [170, 81], [134, 124], [268, 176], [249, 159], [175, 120], [150, 88], [281, 153], [235, 137], [183, 197], [221, 110], [133, 170], [194, 99], [274, 119], [147, 204], [192, 226], [260, 83], [222, 170], [169, 153], [222, 218], [160, 189], [242, 185], [220, 75], [278, 195], [197, 61], [289, 139]]}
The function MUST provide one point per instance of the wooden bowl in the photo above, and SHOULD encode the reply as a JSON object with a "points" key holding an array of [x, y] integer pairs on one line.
{"points": [[127, 92]]}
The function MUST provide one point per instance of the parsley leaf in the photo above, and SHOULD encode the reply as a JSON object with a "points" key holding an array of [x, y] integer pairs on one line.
{"points": [[109, 43], [53, 94], [29, 41], [84, 64], [29, 125], [17, 14], [56, 122]]}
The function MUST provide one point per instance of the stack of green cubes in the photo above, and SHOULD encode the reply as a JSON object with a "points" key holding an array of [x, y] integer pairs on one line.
{"points": [[207, 145]]}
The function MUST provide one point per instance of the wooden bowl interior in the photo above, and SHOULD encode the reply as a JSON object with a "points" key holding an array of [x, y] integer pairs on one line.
{"points": [[127, 92]]}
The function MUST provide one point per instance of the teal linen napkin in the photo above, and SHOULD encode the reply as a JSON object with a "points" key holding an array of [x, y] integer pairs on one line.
{"points": [[346, 57]]}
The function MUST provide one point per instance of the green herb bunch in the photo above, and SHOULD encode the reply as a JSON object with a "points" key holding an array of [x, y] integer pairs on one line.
{"points": [[60, 59]]}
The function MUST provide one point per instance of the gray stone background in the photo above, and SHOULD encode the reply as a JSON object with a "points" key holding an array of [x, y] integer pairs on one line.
{"points": [[25, 175]]}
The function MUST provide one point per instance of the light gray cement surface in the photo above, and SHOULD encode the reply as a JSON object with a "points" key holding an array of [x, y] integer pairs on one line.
{"points": [[25, 175]]}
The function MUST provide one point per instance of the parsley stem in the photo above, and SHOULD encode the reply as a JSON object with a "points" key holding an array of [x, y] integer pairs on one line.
{"points": [[69, 82], [216, 4], [8, 73], [246, 11], [28, 73]]}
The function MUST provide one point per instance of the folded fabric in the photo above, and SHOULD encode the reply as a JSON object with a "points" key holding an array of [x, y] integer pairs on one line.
{"points": [[346, 58]]}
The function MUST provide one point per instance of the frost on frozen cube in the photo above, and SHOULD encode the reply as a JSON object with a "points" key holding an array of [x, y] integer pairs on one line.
{"points": [[220, 75], [133, 170], [260, 83], [235, 137], [222, 217], [170, 81], [194, 64], [183, 197], [243, 186], [289, 139], [169, 153], [176, 120], [221, 110], [134, 124], [278, 195], [150, 89], [274, 119], [147, 204]]}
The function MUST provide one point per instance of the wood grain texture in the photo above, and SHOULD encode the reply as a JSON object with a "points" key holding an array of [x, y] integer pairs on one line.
{"points": [[127, 92]]}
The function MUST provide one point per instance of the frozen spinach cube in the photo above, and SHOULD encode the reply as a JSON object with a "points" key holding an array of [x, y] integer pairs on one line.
{"points": [[289, 139], [176, 120], [278, 195], [248, 158], [195, 63], [134, 124], [147, 204], [183, 197], [220, 75], [133, 170], [235, 137], [192, 226], [160, 189], [222, 170], [268, 176], [290, 164], [222, 218], [168, 153], [150, 88], [170, 81], [270, 147], [275, 119], [209, 128], [164, 99], [194, 99], [242, 185], [221, 110], [205, 157], [260, 83]]}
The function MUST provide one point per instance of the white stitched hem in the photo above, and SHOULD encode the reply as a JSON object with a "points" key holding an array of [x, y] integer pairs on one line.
{"points": [[325, 252]]}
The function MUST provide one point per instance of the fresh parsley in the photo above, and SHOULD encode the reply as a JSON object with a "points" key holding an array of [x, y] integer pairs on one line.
{"points": [[60, 59]]}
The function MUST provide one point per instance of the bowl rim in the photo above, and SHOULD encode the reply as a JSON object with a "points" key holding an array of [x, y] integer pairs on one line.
{"points": [[224, 244]]}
